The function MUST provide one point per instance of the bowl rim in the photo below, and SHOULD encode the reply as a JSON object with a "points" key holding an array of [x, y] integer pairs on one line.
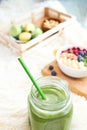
{"points": [[60, 62]]}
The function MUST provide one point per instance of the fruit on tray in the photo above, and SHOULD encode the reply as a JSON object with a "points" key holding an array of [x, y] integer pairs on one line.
{"points": [[25, 33], [29, 27], [74, 57], [37, 32], [24, 36], [15, 30]]}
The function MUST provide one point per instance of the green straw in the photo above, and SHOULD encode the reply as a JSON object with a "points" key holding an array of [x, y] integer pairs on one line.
{"points": [[31, 77]]}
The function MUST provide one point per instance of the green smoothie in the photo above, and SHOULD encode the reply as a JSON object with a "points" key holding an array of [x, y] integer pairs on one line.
{"points": [[54, 113]]}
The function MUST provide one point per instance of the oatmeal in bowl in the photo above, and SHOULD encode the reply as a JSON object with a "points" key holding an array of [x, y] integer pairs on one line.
{"points": [[72, 60]]}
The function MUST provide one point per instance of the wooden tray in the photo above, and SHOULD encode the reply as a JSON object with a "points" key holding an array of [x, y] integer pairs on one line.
{"points": [[78, 86], [36, 17]]}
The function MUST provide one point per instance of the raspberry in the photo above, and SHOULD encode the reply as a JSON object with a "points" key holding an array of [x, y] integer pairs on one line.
{"points": [[78, 49], [84, 50], [69, 50], [63, 51]]}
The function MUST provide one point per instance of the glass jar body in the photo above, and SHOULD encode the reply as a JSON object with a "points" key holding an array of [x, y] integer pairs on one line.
{"points": [[56, 112]]}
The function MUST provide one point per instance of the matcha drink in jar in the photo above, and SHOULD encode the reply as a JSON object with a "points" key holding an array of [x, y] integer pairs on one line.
{"points": [[54, 112]]}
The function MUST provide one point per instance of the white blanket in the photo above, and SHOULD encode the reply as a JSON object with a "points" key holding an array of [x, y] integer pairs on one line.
{"points": [[15, 84]]}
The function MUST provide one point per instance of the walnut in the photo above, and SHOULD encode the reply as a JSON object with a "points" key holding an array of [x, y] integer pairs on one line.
{"points": [[49, 24]]}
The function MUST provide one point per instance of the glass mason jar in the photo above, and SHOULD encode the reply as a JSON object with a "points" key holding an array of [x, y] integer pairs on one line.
{"points": [[54, 113]]}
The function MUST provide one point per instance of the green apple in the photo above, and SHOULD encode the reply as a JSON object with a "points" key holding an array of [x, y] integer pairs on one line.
{"points": [[38, 31], [15, 30]]}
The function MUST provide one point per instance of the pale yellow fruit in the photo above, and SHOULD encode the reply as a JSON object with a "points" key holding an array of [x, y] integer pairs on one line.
{"points": [[29, 27], [25, 36]]}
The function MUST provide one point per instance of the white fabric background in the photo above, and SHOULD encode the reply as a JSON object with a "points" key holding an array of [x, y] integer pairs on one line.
{"points": [[14, 83]]}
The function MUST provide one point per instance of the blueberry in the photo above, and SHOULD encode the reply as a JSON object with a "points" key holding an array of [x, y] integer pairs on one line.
{"points": [[30, 31], [23, 30], [80, 58], [51, 67], [16, 37], [85, 53], [82, 53], [53, 73], [32, 37]]}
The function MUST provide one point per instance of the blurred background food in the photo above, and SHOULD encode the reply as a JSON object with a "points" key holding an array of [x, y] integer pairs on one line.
{"points": [[75, 7]]}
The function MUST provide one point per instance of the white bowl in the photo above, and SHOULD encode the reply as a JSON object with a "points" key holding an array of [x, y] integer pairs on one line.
{"points": [[72, 72]]}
